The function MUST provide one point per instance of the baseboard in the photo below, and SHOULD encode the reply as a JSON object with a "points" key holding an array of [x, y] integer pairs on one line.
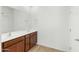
{"points": [[51, 48]]}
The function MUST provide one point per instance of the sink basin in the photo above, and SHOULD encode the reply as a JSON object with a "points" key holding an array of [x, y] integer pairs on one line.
{"points": [[4, 36], [11, 35]]}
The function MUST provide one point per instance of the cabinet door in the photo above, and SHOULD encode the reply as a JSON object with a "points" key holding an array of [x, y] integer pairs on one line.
{"points": [[33, 39], [27, 43], [10, 49], [18, 47]]}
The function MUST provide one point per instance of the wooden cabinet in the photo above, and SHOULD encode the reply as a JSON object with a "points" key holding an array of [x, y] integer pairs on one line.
{"points": [[33, 39], [20, 44], [18, 47], [27, 40], [30, 41], [14, 45], [10, 49]]}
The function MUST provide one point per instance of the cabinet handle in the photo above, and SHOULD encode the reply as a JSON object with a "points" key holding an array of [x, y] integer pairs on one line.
{"points": [[77, 39]]}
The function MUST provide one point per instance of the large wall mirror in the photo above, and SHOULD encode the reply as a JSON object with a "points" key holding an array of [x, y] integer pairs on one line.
{"points": [[17, 18]]}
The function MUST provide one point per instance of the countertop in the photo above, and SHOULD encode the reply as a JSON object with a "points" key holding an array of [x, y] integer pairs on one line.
{"points": [[16, 34]]}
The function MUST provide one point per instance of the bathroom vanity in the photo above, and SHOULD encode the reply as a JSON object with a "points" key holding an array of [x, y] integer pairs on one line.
{"points": [[17, 29], [22, 43]]}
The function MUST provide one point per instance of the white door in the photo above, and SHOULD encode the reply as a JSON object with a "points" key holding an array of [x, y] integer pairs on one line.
{"points": [[74, 22]]}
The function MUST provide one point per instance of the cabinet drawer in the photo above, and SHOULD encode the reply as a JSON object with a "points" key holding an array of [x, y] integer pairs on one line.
{"points": [[11, 42], [18, 47]]}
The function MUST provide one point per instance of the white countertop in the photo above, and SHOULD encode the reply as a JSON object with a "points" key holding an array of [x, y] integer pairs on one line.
{"points": [[15, 35]]}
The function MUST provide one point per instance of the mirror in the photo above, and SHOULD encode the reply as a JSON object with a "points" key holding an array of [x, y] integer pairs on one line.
{"points": [[16, 18]]}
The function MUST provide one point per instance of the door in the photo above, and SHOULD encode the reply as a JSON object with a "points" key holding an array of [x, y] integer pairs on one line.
{"points": [[74, 29], [20, 46]]}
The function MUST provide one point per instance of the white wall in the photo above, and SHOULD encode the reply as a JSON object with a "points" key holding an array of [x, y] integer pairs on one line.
{"points": [[24, 20], [6, 19], [53, 27]]}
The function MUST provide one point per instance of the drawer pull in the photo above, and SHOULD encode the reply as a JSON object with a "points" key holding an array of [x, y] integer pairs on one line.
{"points": [[77, 39]]}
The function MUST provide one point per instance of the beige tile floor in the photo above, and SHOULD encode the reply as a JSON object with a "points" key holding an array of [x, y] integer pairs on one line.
{"points": [[39, 48]]}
